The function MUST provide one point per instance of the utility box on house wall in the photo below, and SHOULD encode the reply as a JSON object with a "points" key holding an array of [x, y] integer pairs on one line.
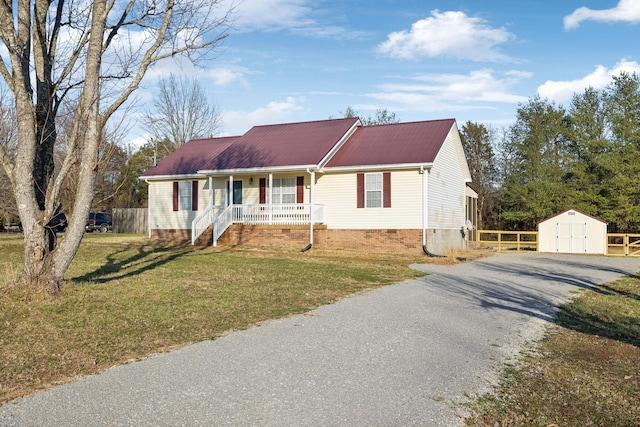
{"points": [[573, 232]]}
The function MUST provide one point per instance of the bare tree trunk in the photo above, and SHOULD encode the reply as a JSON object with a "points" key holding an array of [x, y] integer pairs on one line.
{"points": [[33, 33], [46, 261]]}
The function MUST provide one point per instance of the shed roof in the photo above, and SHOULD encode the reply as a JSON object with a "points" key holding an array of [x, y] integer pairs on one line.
{"points": [[571, 210], [413, 142]]}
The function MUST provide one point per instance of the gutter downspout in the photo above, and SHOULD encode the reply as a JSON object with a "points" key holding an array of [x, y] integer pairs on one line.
{"points": [[425, 205], [148, 208], [425, 211]]}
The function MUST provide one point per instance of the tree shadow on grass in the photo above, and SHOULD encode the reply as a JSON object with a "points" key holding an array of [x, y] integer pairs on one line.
{"points": [[145, 258], [600, 322], [542, 290], [614, 325]]}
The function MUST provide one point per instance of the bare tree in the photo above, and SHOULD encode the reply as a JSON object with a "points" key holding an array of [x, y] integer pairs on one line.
{"points": [[95, 53], [182, 112], [382, 116]]}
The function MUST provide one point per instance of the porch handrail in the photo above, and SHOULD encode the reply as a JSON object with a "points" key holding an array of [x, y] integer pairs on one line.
{"points": [[222, 222], [200, 224]]}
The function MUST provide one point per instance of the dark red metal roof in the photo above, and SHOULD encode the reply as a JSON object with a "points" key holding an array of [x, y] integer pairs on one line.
{"points": [[307, 143], [399, 143], [191, 157], [292, 144]]}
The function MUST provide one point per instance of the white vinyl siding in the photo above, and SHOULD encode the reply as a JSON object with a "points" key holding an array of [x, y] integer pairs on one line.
{"points": [[338, 193], [220, 190], [447, 187], [161, 212]]}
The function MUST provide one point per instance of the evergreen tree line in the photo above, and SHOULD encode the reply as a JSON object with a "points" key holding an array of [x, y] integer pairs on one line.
{"points": [[584, 157]]}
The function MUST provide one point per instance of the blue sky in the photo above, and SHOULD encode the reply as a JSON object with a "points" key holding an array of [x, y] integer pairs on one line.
{"points": [[299, 60]]}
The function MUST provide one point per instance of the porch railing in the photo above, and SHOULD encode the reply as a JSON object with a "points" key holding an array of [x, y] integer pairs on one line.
{"points": [[299, 213], [286, 214], [221, 223], [200, 224]]}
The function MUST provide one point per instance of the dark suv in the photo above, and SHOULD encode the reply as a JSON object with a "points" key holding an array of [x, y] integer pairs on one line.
{"points": [[58, 223], [98, 221]]}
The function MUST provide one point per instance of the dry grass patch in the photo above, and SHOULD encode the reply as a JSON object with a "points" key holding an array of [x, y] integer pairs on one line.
{"points": [[586, 371], [452, 256], [126, 298]]}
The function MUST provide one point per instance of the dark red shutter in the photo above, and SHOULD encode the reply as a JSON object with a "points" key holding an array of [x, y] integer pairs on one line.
{"points": [[386, 190], [194, 195], [300, 189], [263, 191], [176, 196], [360, 190]]}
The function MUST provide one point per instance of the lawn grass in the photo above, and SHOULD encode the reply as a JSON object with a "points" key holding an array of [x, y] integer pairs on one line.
{"points": [[126, 297], [585, 373]]}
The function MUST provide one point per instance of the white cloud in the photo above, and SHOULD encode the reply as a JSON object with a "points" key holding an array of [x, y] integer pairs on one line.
{"points": [[625, 11], [301, 17], [273, 14], [138, 141], [453, 92], [451, 34], [239, 122], [561, 91], [223, 76]]}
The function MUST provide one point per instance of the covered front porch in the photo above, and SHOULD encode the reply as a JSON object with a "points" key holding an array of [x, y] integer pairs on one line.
{"points": [[220, 218], [280, 202]]}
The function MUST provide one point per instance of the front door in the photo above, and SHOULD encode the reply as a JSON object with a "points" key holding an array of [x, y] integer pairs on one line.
{"points": [[237, 192]]}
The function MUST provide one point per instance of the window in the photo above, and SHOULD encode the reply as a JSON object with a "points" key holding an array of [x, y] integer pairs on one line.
{"points": [[284, 190], [373, 190], [185, 195]]}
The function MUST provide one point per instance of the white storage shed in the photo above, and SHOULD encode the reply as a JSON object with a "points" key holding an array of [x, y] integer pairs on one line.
{"points": [[573, 232]]}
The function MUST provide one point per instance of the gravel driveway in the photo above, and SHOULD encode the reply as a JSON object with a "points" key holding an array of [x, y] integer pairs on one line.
{"points": [[406, 354]]}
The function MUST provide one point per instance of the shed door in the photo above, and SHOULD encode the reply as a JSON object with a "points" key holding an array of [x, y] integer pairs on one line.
{"points": [[571, 237]]}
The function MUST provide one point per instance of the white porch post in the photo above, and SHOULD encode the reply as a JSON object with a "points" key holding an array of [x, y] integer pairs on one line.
{"points": [[312, 200], [230, 190], [211, 191], [270, 198]]}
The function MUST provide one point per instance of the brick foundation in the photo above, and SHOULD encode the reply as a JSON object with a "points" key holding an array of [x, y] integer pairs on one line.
{"points": [[287, 236], [297, 236], [182, 236], [376, 241]]}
